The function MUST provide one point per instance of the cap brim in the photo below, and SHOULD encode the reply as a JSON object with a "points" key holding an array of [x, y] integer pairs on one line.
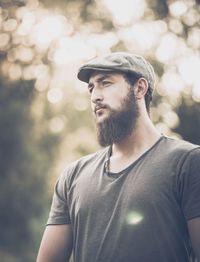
{"points": [[85, 73]]}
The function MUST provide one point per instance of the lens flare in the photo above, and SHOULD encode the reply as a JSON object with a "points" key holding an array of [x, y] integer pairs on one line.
{"points": [[134, 218]]}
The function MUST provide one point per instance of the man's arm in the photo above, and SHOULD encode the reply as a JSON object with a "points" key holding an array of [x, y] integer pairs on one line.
{"points": [[194, 231], [56, 244]]}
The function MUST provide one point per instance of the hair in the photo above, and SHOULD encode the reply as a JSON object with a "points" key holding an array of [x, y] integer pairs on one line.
{"points": [[132, 78]]}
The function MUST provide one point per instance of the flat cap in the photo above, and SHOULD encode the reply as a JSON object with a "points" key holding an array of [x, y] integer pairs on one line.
{"points": [[121, 62]]}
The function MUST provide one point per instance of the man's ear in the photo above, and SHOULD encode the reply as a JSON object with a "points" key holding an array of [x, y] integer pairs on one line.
{"points": [[141, 88]]}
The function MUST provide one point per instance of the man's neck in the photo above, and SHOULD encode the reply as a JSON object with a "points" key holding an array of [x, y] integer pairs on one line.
{"points": [[143, 137]]}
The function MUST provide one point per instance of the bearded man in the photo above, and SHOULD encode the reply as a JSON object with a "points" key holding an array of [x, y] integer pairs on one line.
{"points": [[136, 200]]}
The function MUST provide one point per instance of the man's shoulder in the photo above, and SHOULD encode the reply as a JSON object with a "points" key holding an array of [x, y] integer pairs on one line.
{"points": [[177, 150], [179, 145]]}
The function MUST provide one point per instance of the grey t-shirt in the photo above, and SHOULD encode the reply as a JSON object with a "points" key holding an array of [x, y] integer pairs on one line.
{"points": [[137, 215]]}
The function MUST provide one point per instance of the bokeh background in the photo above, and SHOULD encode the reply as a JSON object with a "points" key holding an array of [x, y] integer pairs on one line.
{"points": [[45, 118]]}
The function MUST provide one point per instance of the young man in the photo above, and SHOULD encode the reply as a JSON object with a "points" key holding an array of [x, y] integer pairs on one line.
{"points": [[138, 199]]}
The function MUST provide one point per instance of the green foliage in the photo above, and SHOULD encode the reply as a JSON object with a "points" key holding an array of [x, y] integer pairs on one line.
{"points": [[189, 117], [23, 171], [159, 7]]}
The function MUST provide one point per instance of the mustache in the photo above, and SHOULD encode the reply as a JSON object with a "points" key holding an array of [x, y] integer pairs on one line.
{"points": [[100, 106]]}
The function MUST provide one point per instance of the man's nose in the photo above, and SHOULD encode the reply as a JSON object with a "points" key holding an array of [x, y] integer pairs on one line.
{"points": [[96, 95]]}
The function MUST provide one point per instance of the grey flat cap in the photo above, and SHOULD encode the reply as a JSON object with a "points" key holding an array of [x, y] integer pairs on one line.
{"points": [[121, 62]]}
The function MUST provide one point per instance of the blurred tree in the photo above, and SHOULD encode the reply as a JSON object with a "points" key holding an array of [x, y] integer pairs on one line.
{"points": [[23, 170], [159, 7], [189, 116]]}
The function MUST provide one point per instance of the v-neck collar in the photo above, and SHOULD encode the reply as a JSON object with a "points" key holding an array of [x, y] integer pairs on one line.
{"points": [[106, 167]]}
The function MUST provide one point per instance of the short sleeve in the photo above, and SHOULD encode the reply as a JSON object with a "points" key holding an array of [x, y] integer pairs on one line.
{"points": [[59, 213], [189, 185]]}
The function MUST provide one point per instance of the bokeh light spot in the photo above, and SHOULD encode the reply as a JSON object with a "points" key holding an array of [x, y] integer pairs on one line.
{"points": [[196, 94], [54, 95], [4, 40], [42, 85], [167, 49], [10, 25], [81, 104], [178, 8], [49, 29], [56, 124], [171, 83], [124, 11], [171, 119], [134, 218], [24, 54], [189, 69], [15, 72], [28, 21]]}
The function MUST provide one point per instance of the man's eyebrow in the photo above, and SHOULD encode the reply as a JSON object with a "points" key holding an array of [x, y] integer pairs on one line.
{"points": [[99, 79]]}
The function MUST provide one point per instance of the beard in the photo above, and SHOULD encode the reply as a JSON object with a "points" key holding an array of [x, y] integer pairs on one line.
{"points": [[120, 123]]}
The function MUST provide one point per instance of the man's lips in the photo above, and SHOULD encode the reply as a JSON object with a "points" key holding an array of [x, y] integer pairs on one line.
{"points": [[98, 108]]}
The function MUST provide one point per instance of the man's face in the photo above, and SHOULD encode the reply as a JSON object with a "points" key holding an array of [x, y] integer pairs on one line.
{"points": [[107, 93], [114, 106]]}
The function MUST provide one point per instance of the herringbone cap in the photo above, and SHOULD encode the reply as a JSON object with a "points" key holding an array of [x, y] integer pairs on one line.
{"points": [[120, 62]]}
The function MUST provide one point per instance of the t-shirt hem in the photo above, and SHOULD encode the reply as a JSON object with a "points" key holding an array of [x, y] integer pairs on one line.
{"points": [[189, 217], [54, 224], [58, 222]]}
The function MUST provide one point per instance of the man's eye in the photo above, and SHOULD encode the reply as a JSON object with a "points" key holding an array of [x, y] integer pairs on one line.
{"points": [[106, 83]]}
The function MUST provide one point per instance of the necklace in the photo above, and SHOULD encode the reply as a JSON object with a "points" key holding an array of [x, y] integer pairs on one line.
{"points": [[107, 163]]}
